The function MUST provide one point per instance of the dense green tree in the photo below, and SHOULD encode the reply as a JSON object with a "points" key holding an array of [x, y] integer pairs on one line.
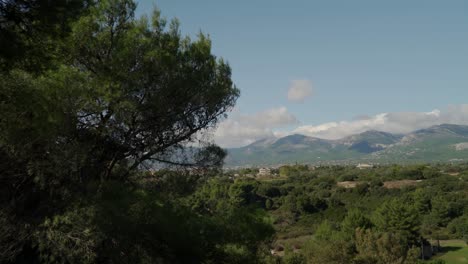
{"points": [[440, 211], [397, 217], [326, 231], [353, 220], [383, 248], [268, 190], [459, 227], [102, 96], [243, 193], [422, 200]]}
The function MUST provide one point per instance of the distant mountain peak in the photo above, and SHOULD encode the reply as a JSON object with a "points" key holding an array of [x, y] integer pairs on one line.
{"points": [[435, 143], [293, 139], [263, 142], [461, 130]]}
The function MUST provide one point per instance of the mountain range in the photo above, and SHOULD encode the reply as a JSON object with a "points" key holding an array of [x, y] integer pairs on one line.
{"points": [[442, 143]]}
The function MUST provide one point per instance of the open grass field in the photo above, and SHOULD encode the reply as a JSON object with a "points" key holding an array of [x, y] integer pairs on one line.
{"points": [[453, 252]]}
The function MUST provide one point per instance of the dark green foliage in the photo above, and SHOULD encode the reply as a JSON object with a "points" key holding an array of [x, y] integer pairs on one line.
{"points": [[422, 200], [242, 193], [31, 31], [126, 225], [355, 219], [441, 210], [382, 248], [393, 222], [459, 227], [362, 188], [395, 216], [89, 96], [268, 190]]}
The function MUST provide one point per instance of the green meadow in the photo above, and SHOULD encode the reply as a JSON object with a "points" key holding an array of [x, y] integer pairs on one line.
{"points": [[454, 252]]}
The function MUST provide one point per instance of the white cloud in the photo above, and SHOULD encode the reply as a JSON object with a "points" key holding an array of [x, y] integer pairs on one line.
{"points": [[242, 129], [299, 90], [400, 122]]}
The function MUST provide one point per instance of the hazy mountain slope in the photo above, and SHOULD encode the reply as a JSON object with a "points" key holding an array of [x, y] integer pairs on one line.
{"points": [[294, 148], [373, 137], [370, 141], [437, 143]]}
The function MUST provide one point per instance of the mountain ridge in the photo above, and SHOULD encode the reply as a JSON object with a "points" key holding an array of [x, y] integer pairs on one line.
{"points": [[438, 143]]}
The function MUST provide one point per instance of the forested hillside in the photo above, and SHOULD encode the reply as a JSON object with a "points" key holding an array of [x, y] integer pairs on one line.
{"points": [[341, 214]]}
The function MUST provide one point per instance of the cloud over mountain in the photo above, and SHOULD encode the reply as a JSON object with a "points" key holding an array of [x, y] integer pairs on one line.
{"points": [[241, 129], [398, 122]]}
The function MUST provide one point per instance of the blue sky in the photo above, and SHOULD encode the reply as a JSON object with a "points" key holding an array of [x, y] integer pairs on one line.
{"points": [[354, 59]]}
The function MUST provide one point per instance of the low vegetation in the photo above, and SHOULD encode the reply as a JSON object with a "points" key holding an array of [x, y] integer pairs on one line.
{"points": [[385, 214]]}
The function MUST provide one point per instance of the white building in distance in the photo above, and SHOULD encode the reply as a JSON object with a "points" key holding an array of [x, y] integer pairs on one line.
{"points": [[364, 166], [264, 172]]}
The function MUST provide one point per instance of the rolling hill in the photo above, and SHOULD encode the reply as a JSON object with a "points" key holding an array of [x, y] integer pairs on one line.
{"points": [[440, 143]]}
